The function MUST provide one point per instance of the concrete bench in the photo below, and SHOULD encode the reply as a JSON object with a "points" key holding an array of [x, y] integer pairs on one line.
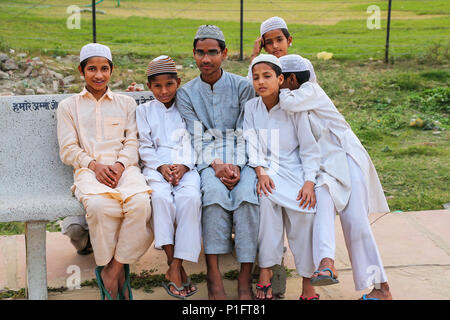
{"points": [[34, 183]]}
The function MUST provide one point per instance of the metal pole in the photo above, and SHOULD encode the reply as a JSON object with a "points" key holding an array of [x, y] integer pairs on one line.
{"points": [[94, 27], [386, 57], [241, 55]]}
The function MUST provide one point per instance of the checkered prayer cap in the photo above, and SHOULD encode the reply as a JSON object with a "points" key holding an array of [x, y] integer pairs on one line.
{"points": [[161, 64], [208, 31], [272, 24], [95, 50]]}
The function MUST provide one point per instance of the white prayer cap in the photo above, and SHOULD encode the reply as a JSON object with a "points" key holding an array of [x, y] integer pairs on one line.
{"points": [[95, 50], [208, 31], [272, 24], [266, 58], [293, 63], [296, 63]]}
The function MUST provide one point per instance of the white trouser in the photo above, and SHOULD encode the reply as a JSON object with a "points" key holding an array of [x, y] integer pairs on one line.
{"points": [[299, 227], [177, 215], [366, 262]]}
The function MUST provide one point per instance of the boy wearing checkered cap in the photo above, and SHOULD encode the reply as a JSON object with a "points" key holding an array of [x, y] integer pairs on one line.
{"points": [[168, 164]]}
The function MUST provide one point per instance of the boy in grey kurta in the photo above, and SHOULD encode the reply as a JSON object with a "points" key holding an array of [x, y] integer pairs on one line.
{"points": [[213, 108]]}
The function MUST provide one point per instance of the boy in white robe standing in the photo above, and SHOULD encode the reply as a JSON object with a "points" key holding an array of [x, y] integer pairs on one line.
{"points": [[286, 158], [169, 168], [349, 184]]}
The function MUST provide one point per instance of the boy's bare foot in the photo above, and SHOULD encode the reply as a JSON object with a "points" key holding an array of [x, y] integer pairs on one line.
{"points": [[307, 289], [326, 263], [110, 282], [184, 278], [245, 286], [265, 276], [121, 284], [174, 275], [216, 291], [382, 293]]}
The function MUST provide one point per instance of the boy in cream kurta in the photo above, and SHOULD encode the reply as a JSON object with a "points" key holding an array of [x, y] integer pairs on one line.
{"points": [[98, 131], [348, 183]]}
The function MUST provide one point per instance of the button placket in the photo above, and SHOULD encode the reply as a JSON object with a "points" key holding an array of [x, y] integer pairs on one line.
{"points": [[98, 121]]}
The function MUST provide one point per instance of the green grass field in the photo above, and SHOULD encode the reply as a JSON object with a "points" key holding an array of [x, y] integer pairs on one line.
{"points": [[378, 100], [148, 28]]}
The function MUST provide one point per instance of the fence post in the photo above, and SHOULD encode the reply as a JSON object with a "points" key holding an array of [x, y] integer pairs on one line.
{"points": [[241, 54], [386, 57], [94, 27]]}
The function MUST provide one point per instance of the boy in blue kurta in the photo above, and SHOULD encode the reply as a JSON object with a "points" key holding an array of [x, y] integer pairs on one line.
{"points": [[213, 108]]}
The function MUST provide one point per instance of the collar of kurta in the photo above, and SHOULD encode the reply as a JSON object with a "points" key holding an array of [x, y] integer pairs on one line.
{"points": [[221, 83], [163, 107], [263, 106], [108, 94]]}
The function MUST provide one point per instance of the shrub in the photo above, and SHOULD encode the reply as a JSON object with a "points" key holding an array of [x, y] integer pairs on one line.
{"points": [[432, 100]]}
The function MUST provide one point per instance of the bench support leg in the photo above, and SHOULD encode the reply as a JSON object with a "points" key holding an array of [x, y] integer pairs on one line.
{"points": [[35, 233]]}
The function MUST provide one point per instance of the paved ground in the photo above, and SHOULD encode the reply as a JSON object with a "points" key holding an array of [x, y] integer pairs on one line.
{"points": [[414, 246]]}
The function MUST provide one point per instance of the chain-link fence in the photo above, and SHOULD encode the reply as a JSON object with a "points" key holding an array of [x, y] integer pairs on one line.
{"points": [[349, 29]]}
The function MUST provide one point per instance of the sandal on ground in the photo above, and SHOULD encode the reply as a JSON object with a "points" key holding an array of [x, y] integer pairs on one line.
{"points": [[188, 285], [103, 292], [315, 297], [365, 297], [264, 289], [126, 284], [324, 280], [167, 286]]}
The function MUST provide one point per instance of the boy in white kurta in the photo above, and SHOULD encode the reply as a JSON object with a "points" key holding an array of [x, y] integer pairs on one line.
{"points": [[168, 162], [349, 181], [97, 135], [284, 152]]}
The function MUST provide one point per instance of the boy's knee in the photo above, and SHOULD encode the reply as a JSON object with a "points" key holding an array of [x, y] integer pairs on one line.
{"points": [[95, 206], [139, 203]]}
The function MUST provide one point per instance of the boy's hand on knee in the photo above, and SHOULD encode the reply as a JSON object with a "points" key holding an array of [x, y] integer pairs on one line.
{"points": [[265, 183], [307, 195], [166, 172]]}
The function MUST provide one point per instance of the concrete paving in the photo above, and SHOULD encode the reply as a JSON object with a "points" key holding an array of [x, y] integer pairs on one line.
{"points": [[414, 246]]}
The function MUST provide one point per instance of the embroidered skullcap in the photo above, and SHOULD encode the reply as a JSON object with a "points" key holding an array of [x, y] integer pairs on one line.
{"points": [[293, 63], [296, 63], [208, 31], [266, 58], [95, 50], [161, 64], [272, 24]]}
